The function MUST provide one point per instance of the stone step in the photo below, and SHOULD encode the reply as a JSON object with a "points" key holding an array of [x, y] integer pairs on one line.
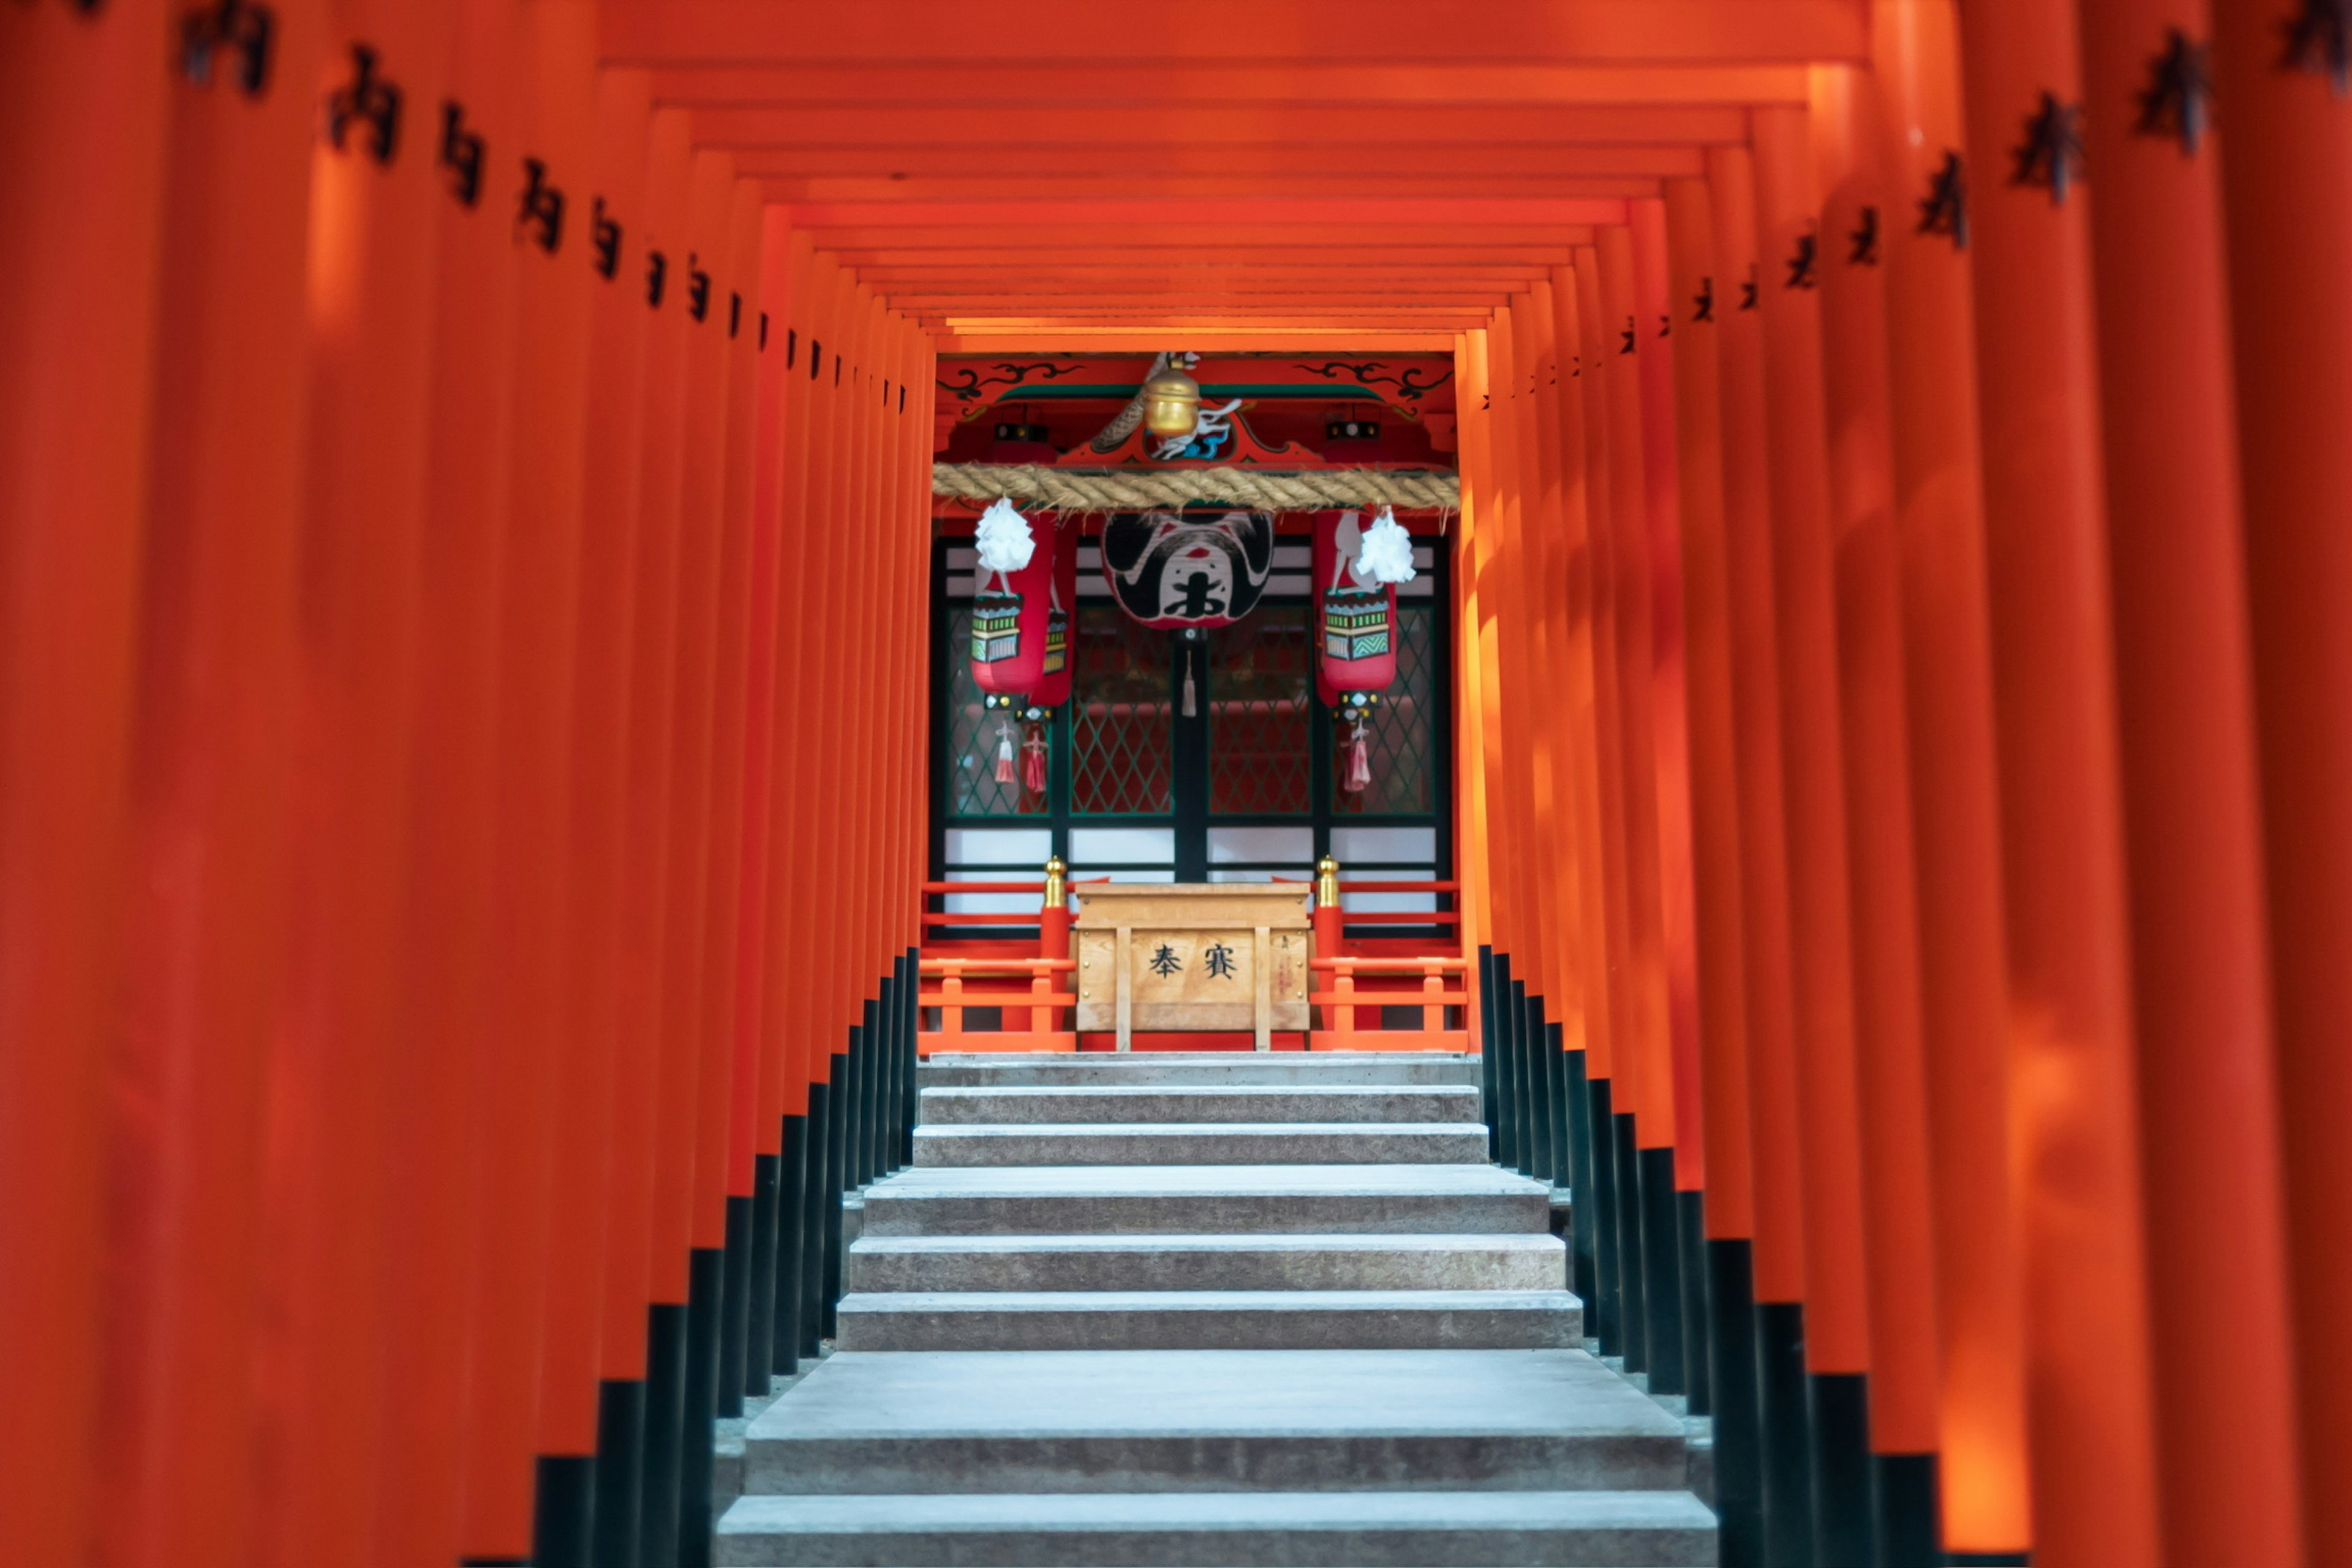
{"points": [[1127, 1103], [1231, 1530], [1207, 1263], [1201, 1143], [1210, 1320], [1195, 1421], [972, 1070], [1219, 1200]]}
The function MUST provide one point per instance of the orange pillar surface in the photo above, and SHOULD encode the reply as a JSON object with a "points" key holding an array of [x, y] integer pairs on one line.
{"points": [[1585, 443], [447, 1039], [606, 529], [658, 641], [1677, 1093], [714, 1005], [1890, 1072], [750, 1133], [516, 1129], [1837, 1336], [783, 276], [2225, 1446], [1479, 641], [1715, 869], [677, 1237], [85, 173], [325, 1441], [1734, 325], [1648, 1056], [1572, 585], [2290, 244], [212, 780], [2073, 1121], [1947, 663]]}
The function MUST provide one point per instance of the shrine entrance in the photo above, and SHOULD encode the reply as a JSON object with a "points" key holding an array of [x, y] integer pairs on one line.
{"points": [[1195, 754]]}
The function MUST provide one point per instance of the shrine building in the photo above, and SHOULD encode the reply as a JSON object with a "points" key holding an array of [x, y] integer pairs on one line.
{"points": [[1516, 783]]}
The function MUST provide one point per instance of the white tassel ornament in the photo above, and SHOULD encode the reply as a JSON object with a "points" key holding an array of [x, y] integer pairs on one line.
{"points": [[1386, 554], [1003, 539], [1007, 771]]}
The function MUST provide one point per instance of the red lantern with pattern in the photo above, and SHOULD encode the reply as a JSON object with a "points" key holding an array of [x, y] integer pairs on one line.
{"points": [[1015, 612], [1355, 607]]}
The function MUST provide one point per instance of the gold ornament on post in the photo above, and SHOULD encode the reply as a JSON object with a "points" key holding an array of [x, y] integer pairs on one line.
{"points": [[1327, 883], [1172, 402]]}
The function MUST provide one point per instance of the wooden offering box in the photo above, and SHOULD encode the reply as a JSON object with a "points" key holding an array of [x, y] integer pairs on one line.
{"points": [[1185, 957]]}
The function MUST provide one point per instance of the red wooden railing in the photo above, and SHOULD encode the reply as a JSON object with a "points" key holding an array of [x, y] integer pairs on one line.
{"points": [[1025, 989], [1444, 983]]}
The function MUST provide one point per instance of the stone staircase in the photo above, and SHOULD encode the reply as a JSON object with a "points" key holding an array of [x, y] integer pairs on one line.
{"points": [[1199, 1311]]}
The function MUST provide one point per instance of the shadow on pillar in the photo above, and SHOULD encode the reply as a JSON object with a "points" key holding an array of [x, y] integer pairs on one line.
{"points": [[664, 1438], [1786, 1428], [620, 1472], [563, 1516], [1731, 1345], [1840, 1420], [1905, 1505], [705, 1284]]}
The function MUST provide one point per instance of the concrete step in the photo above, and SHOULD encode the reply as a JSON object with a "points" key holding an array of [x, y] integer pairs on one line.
{"points": [[1201, 1143], [1207, 1263], [1219, 1200], [1210, 1320], [1236, 1530], [1127, 1103], [1195, 1421], [971, 1070]]}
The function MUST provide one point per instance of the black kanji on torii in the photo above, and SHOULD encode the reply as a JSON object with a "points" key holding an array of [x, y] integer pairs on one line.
{"points": [[2319, 38], [461, 154], [368, 100], [540, 207], [2178, 98], [232, 26], [1220, 960], [1164, 962], [1863, 240], [2051, 156], [604, 238], [1945, 209], [1801, 265], [1703, 302]]}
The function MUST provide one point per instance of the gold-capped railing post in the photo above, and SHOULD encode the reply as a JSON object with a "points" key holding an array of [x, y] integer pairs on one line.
{"points": [[1329, 933], [1052, 932]]}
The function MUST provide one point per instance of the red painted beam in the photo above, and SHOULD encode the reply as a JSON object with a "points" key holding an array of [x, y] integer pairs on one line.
{"points": [[1001, 152], [1208, 123], [1392, 32], [1128, 84]]}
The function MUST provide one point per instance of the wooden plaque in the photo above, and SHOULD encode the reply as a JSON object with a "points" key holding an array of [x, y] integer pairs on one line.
{"points": [[1187, 957]]}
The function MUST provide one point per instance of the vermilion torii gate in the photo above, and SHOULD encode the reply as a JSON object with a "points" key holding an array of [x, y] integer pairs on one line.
{"points": [[464, 571]]}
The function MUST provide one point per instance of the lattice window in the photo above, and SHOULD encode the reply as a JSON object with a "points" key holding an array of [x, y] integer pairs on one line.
{"points": [[1121, 756], [1260, 694], [974, 789], [1401, 733]]}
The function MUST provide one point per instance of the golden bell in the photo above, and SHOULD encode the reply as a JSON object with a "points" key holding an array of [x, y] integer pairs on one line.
{"points": [[1172, 402]]}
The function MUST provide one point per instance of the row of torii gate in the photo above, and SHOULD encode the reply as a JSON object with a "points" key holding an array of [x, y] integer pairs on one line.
{"points": [[462, 588]]}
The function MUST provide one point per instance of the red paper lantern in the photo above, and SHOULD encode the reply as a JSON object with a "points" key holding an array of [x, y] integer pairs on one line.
{"points": [[1355, 613], [1020, 620]]}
